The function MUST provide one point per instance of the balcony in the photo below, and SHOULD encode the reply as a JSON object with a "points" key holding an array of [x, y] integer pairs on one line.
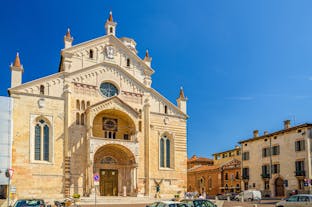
{"points": [[299, 173], [265, 175], [245, 177], [96, 142]]}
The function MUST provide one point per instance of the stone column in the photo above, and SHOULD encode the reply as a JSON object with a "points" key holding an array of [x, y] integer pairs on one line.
{"points": [[135, 180], [67, 122], [146, 109]]}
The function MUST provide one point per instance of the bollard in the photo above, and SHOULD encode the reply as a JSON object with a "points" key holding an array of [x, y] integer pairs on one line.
{"points": [[216, 198], [242, 199], [228, 198]]}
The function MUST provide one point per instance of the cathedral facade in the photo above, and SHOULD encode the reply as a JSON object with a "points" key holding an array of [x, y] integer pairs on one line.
{"points": [[97, 125]]}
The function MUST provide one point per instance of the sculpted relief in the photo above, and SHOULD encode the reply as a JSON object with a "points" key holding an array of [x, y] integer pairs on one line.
{"points": [[109, 51]]}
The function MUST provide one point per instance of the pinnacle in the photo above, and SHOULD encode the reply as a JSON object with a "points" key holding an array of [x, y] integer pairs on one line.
{"points": [[17, 61], [68, 33], [110, 18]]}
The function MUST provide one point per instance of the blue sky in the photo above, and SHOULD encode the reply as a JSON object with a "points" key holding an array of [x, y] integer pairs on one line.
{"points": [[244, 65]]}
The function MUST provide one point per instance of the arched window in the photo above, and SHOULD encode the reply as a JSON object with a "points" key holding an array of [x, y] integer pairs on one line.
{"points": [[165, 152], [77, 118], [168, 153], [162, 153], [91, 54], [166, 109], [209, 182], [111, 30], [77, 104], [83, 106], [88, 103], [42, 141], [82, 119], [41, 89], [128, 62], [226, 176]]}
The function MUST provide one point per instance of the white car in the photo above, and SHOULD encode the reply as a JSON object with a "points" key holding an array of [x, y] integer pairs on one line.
{"points": [[300, 200], [249, 195]]}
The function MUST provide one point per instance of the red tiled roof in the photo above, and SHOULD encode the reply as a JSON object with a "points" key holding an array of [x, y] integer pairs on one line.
{"points": [[204, 168], [199, 159]]}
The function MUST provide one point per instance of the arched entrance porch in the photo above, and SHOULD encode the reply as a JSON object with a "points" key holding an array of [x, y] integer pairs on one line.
{"points": [[116, 166]]}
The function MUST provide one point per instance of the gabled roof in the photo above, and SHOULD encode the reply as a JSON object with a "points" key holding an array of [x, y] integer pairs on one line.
{"points": [[98, 40], [151, 90], [230, 163], [37, 81], [194, 158], [203, 168], [114, 99]]}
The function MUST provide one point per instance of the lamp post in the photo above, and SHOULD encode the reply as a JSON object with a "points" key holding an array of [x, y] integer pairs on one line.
{"points": [[9, 174]]}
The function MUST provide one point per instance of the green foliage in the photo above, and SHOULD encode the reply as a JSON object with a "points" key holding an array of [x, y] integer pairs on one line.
{"points": [[76, 195]]}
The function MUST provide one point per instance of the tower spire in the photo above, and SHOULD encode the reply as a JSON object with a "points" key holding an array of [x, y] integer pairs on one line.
{"points": [[147, 59], [16, 71], [182, 101], [181, 95], [110, 18], [17, 61], [110, 25], [68, 39]]}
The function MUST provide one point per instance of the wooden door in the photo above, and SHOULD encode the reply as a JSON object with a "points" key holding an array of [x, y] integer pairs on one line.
{"points": [[279, 187], [109, 182]]}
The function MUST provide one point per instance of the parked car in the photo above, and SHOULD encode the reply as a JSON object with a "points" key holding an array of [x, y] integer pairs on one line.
{"points": [[167, 204], [299, 200], [226, 195], [198, 203], [249, 195], [30, 203]]}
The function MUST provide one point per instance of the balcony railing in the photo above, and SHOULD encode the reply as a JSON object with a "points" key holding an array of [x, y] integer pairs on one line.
{"points": [[245, 177], [299, 173], [266, 175]]}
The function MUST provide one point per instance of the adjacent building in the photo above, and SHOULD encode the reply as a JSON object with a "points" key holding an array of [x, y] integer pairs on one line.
{"points": [[218, 176], [97, 125], [5, 143], [278, 163], [230, 167]]}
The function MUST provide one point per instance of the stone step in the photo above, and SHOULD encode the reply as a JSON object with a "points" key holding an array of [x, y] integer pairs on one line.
{"points": [[117, 199]]}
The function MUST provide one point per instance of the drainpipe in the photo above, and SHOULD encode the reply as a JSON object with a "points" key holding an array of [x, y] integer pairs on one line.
{"points": [[308, 138], [270, 163]]}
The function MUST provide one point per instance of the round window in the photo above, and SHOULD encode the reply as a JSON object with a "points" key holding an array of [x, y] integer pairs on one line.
{"points": [[108, 89]]}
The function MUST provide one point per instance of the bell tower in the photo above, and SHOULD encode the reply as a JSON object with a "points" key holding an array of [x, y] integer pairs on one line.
{"points": [[182, 101], [110, 25], [68, 39], [16, 72]]}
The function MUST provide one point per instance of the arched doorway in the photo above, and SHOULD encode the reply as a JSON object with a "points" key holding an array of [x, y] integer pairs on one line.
{"points": [[116, 167], [279, 187]]}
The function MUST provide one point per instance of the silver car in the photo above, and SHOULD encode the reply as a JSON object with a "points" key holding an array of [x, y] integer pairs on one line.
{"points": [[300, 200]]}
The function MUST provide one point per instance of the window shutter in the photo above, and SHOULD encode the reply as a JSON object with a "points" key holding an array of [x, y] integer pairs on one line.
{"points": [[297, 146], [302, 145]]}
